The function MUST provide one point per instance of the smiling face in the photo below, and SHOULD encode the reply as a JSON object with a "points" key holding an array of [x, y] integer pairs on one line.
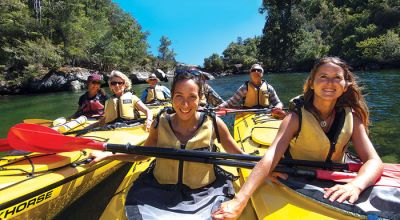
{"points": [[117, 86], [185, 99], [329, 82]]}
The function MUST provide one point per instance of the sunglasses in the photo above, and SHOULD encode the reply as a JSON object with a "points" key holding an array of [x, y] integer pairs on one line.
{"points": [[256, 70], [117, 83]]}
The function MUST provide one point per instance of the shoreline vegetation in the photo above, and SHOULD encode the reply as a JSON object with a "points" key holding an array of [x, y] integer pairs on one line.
{"points": [[48, 46]]}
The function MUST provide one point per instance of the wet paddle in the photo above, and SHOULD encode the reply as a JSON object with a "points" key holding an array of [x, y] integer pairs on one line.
{"points": [[43, 139]]}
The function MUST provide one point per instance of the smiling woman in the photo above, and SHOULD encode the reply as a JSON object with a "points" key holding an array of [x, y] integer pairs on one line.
{"points": [[176, 188]]}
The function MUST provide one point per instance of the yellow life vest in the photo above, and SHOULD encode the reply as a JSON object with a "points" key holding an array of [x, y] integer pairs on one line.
{"points": [[312, 142], [155, 93], [194, 175], [122, 107], [257, 96]]}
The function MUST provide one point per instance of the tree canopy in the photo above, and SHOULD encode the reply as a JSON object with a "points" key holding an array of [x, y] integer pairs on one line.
{"points": [[36, 36], [297, 32]]}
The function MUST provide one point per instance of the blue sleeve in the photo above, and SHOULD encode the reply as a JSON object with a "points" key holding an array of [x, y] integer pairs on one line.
{"points": [[144, 96]]}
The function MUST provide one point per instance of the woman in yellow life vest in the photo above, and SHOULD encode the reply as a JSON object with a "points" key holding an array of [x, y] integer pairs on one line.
{"points": [[175, 188], [122, 105], [333, 106]]}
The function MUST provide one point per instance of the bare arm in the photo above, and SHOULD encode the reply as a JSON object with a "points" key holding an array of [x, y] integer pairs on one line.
{"points": [[233, 208], [149, 115], [370, 171]]}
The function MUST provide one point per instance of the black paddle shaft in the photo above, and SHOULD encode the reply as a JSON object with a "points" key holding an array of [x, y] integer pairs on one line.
{"points": [[158, 151]]}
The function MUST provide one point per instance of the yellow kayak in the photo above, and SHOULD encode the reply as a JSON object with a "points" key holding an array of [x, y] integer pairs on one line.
{"points": [[36, 186], [254, 133], [116, 210]]}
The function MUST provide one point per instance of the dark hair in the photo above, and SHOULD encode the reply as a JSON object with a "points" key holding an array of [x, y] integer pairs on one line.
{"points": [[187, 76], [351, 98]]}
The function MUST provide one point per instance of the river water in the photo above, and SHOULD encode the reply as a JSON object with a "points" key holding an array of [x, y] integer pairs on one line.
{"points": [[381, 90]]}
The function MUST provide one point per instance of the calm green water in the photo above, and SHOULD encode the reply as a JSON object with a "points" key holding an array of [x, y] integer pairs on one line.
{"points": [[381, 89]]}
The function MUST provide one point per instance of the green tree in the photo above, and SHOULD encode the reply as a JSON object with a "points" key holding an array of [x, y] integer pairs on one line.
{"points": [[281, 33], [214, 63], [166, 55]]}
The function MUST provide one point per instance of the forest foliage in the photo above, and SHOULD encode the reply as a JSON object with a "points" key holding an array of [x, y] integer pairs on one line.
{"points": [[297, 32], [37, 36]]}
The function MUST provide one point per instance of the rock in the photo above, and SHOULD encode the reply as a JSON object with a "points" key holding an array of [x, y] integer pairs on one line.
{"points": [[77, 85]]}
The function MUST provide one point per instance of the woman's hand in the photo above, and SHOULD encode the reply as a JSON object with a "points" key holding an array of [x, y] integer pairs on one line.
{"points": [[229, 210], [98, 156], [341, 193], [148, 124]]}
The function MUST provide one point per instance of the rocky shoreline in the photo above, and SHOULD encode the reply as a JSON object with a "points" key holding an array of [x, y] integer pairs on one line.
{"points": [[68, 79]]}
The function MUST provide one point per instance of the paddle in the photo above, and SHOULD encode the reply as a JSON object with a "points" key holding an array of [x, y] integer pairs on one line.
{"points": [[57, 140], [48, 141], [44, 122], [224, 111]]}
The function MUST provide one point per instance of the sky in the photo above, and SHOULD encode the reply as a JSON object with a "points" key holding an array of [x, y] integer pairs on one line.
{"points": [[196, 28]]}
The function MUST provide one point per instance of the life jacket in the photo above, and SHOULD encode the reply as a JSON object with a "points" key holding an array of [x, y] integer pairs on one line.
{"points": [[193, 175], [256, 96], [92, 107], [155, 94], [312, 143], [121, 108]]}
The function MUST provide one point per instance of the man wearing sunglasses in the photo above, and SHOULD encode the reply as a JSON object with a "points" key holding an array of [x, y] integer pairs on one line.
{"points": [[256, 93], [154, 93]]}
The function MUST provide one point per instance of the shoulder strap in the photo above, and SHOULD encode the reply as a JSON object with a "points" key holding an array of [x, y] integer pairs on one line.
{"points": [[340, 122], [295, 105], [167, 110]]}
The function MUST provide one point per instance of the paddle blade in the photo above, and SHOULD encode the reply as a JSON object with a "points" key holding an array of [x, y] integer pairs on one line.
{"points": [[44, 139]]}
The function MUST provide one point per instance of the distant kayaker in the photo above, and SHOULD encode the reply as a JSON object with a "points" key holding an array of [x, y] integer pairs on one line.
{"points": [[155, 93], [91, 104], [175, 189], [122, 106], [331, 112], [256, 93]]}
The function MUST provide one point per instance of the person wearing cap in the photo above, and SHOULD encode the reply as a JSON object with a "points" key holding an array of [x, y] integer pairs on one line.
{"points": [[91, 104], [123, 105], [256, 93], [155, 93]]}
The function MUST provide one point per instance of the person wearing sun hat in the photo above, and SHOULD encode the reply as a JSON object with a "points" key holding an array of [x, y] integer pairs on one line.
{"points": [[91, 104], [256, 93], [155, 93]]}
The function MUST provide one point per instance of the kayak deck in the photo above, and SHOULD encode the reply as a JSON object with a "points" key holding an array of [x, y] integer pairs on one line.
{"points": [[36, 185]]}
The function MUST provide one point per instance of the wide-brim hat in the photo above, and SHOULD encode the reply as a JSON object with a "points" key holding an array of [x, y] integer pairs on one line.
{"points": [[96, 78], [151, 77]]}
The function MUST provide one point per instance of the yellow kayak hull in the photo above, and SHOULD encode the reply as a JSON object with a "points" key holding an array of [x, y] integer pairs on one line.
{"points": [[116, 207], [40, 186]]}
